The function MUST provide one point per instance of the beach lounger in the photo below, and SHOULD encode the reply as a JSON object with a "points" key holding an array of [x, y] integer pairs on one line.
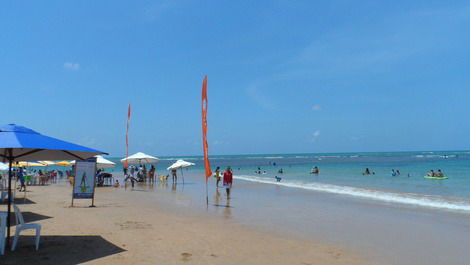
{"points": [[21, 225]]}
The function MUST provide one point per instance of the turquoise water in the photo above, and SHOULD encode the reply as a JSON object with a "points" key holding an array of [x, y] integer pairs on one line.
{"points": [[341, 173]]}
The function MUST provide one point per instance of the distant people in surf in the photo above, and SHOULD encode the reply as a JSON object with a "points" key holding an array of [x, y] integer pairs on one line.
{"points": [[315, 170], [278, 179], [280, 171], [438, 174], [368, 172]]}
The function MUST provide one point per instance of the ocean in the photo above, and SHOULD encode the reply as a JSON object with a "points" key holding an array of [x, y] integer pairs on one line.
{"points": [[341, 173]]}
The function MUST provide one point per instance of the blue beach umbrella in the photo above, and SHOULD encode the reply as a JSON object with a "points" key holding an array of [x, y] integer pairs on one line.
{"points": [[18, 143]]}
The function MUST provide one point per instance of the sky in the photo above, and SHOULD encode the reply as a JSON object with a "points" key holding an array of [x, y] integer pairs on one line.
{"points": [[283, 76]]}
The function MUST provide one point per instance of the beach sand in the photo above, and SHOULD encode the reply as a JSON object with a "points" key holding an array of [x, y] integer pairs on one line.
{"points": [[142, 227]]}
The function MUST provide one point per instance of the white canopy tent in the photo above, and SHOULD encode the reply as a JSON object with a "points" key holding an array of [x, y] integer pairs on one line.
{"points": [[180, 164], [47, 163], [139, 158], [3, 166], [101, 162]]}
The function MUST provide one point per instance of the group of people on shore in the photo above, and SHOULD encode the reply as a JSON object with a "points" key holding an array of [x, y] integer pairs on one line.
{"points": [[139, 174]]}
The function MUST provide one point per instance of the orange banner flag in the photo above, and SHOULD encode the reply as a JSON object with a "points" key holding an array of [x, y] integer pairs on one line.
{"points": [[207, 164], [127, 133]]}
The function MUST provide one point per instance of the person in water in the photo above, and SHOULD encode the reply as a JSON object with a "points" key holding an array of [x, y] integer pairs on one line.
{"points": [[217, 176], [315, 170], [393, 173], [280, 171], [228, 180], [431, 173], [398, 172], [439, 173], [366, 172]]}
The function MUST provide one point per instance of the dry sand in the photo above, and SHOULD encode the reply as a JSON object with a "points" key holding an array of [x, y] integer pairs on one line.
{"points": [[135, 228]]}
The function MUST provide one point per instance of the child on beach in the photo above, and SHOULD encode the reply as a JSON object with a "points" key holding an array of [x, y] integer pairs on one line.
{"points": [[116, 184], [228, 180], [217, 176]]}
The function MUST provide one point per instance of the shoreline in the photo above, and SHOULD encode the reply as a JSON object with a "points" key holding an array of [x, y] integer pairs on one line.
{"points": [[132, 227]]}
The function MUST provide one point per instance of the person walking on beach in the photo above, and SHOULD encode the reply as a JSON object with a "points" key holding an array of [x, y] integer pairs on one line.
{"points": [[22, 179], [228, 180], [217, 176]]}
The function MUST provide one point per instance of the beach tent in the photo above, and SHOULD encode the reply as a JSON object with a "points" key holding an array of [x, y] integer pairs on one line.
{"points": [[28, 164], [47, 163], [181, 164], [3, 166], [64, 163], [139, 158], [18, 143], [102, 162]]}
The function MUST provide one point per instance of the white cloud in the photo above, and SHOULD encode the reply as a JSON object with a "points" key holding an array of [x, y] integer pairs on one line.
{"points": [[258, 96], [71, 66], [316, 107], [315, 135]]}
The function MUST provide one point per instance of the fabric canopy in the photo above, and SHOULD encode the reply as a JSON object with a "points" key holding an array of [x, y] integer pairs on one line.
{"points": [[102, 162], [3, 166], [139, 158], [180, 164], [47, 163], [27, 145]]}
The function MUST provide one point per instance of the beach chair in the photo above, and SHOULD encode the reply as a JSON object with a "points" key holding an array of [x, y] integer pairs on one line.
{"points": [[3, 227], [21, 225]]}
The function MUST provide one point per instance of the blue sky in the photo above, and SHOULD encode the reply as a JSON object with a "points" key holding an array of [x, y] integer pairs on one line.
{"points": [[283, 76]]}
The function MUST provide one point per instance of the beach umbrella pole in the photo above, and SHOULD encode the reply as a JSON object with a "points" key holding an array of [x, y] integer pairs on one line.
{"points": [[182, 175], [10, 158]]}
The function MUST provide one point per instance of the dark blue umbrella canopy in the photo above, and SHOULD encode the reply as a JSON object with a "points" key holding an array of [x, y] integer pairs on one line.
{"points": [[26, 145], [18, 143]]}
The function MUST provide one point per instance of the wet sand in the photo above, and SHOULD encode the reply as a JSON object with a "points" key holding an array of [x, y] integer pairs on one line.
{"points": [[145, 226]]}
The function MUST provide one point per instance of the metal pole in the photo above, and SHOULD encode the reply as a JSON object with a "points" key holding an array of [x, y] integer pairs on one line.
{"points": [[10, 158], [207, 195]]}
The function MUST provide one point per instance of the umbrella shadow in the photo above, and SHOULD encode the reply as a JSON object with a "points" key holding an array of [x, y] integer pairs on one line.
{"points": [[60, 250], [19, 200], [28, 217]]}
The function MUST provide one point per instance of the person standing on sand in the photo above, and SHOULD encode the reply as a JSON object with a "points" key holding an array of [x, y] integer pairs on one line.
{"points": [[217, 176], [228, 180], [173, 175]]}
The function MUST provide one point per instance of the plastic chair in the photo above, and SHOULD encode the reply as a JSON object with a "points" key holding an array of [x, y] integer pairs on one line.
{"points": [[20, 226], [2, 235]]}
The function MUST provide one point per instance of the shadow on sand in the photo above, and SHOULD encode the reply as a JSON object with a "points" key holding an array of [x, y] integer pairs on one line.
{"points": [[60, 250], [19, 200], [29, 217]]}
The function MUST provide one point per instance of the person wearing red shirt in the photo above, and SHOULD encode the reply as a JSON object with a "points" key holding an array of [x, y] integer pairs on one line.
{"points": [[228, 180]]}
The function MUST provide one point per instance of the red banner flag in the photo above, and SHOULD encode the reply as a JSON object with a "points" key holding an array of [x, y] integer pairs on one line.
{"points": [[207, 165], [127, 133]]}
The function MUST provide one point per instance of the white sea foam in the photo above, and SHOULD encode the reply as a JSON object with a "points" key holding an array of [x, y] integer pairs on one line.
{"points": [[430, 201]]}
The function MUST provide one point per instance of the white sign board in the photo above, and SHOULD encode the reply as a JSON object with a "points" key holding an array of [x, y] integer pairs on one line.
{"points": [[84, 184]]}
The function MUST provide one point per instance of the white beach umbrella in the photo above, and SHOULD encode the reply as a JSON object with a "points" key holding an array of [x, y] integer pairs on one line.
{"points": [[180, 164], [3, 166], [139, 158], [47, 163], [101, 162]]}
